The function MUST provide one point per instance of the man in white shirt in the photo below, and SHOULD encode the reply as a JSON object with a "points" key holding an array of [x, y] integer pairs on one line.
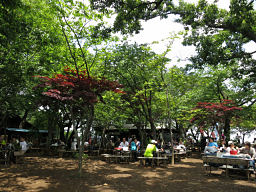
{"points": [[23, 144], [124, 143]]}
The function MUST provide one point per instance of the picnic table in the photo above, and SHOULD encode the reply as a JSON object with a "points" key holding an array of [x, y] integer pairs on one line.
{"points": [[177, 155], [116, 158], [153, 161], [228, 162], [66, 153]]}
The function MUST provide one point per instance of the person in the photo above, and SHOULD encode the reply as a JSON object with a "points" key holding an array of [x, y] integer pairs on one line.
{"points": [[73, 144], [212, 143], [232, 149], [137, 144], [110, 144], [238, 139], [211, 148], [133, 145], [202, 141], [117, 143], [23, 144], [247, 149], [124, 143], [158, 144], [2, 140], [181, 146], [14, 144], [151, 148], [223, 147], [133, 150]]}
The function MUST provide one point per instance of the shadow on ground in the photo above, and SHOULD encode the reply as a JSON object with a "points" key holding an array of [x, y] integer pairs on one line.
{"points": [[57, 174]]}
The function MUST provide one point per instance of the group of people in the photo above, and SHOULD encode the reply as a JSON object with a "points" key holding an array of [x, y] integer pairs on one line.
{"points": [[133, 144], [248, 151], [14, 144]]}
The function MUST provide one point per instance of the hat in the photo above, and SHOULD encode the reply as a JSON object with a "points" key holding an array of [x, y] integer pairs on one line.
{"points": [[153, 141], [230, 142]]}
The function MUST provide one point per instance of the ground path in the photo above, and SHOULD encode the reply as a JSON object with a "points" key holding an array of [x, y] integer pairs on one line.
{"points": [[57, 174]]}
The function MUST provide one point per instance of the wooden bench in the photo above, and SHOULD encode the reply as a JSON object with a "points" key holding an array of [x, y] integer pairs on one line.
{"points": [[117, 158], [105, 156], [227, 164], [66, 153], [188, 153], [19, 156], [177, 156], [159, 160]]}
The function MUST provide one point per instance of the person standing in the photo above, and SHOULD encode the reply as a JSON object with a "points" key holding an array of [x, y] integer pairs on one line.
{"points": [[133, 150], [137, 144], [23, 144]]}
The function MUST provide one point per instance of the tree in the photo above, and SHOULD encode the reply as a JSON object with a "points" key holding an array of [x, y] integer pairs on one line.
{"points": [[111, 113], [138, 69], [219, 35], [80, 92], [29, 42], [216, 115]]}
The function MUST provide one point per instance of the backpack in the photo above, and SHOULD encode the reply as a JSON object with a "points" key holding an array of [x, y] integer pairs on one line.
{"points": [[133, 146]]}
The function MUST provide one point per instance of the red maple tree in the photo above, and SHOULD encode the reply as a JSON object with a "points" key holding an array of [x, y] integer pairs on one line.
{"points": [[217, 115], [77, 87]]}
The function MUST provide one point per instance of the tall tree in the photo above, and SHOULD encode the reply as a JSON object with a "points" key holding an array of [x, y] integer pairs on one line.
{"points": [[138, 69], [80, 92]]}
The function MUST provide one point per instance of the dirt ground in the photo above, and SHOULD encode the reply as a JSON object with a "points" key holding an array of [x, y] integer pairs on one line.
{"points": [[57, 174]]}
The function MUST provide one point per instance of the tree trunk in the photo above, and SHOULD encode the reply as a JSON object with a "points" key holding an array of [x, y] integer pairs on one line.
{"points": [[227, 128], [169, 123], [62, 136], [78, 142], [141, 135], [153, 128], [50, 129], [23, 119]]}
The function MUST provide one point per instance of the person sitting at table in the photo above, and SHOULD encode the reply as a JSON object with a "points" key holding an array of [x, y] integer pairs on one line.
{"points": [[223, 147], [212, 143], [124, 144], [232, 149], [14, 144], [2, 140], [151, 148], [211, 148], [117, 143], [159, 145], [247, 149], [181, 146]]}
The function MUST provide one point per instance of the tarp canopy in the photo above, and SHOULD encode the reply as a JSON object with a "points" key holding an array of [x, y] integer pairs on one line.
{"points": [[27, 130]]}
